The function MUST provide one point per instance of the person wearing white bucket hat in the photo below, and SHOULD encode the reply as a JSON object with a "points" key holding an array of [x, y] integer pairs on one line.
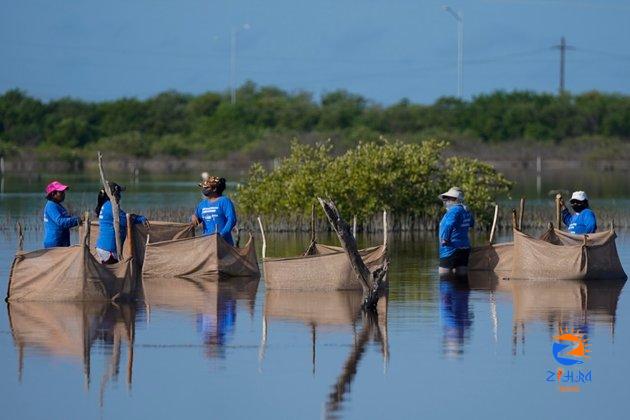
{"points": [[583, 221], [454, 227]]}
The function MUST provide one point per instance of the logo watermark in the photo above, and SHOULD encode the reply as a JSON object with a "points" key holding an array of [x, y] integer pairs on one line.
{"points": [[570, 349]]}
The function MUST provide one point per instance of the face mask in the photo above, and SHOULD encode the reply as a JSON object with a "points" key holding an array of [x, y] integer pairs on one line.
{"points": [[450, 204], [578, 207]]}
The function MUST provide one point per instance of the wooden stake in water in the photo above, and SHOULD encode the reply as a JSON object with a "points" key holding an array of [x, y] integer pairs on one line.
{"points": [[385, 227], [558, 211], [520, 214], [264, 240], [514, 220], [20, 237], [494, 223], [115, 207]]}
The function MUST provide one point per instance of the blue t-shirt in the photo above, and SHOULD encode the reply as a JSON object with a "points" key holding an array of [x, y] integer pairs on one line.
{"points": [[217, 216], [580, 223], [57, 224], [106, 237], [454, 228]]}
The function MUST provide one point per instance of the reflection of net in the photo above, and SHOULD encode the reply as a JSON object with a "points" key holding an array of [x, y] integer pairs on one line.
{"points": [[556, 255], [325, 268]]}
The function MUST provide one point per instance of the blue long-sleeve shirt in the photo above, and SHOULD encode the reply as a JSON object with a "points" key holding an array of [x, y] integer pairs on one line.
{"points": [[454, 228], [580, 223], [106, 236], [217, 216], [57, 224]]}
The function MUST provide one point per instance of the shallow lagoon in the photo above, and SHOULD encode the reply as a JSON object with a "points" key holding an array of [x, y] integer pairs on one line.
{"points": [[235, 350]]}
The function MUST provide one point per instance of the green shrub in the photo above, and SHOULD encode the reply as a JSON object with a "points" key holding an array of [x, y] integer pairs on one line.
{"points": [[405, 179]]}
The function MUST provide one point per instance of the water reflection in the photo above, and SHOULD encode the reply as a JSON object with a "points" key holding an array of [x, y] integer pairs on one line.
{"points": [[558, 304], [212, 303], [70, 330], [338, 311], [455, 314]]}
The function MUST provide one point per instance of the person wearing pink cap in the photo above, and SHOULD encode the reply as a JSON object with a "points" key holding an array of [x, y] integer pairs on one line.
{"points": [[57, 221]]}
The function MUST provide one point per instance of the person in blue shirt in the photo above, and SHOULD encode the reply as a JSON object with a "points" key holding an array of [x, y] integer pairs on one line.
{"points": [[57, 221], [215, 211], [454, 227], [106, 242], [583, 221]]}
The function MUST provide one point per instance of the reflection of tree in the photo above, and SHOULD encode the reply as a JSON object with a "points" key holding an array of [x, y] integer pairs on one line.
{"points": [[372, 330]]}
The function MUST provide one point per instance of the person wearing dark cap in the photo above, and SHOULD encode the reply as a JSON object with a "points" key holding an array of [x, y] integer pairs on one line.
{"points": [[583, 221], [215, 211], [57, 221], [106, 242]]}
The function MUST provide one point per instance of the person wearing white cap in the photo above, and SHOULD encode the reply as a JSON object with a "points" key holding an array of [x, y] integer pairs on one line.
{"points": [[454, 227], [583, 221]]}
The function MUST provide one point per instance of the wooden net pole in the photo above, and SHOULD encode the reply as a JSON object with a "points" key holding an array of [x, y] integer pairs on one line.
{"points": [[115, 207]]}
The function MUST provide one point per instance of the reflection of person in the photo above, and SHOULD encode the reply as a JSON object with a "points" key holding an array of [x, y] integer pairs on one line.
{"points": [[217, 326], [215, 212], [583, 221], [454, 226], [106, 242], [455, 315], [57, 221]]}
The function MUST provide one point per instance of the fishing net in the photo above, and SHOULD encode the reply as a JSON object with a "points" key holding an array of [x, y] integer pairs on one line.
{"points": [[201, 256], [325, 268]]}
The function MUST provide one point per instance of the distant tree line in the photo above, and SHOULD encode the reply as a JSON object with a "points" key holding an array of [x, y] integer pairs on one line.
{"points": [[177, 124]]}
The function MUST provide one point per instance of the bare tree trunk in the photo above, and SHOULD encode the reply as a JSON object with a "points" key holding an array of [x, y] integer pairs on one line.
{"points": [[371, 282], [115, 207]]}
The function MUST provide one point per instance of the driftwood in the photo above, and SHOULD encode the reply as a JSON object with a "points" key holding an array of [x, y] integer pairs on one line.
{"points": [[371, 282], [115, 206]]}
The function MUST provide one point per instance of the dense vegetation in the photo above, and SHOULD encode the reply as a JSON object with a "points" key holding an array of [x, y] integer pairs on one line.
{"points": [[264, 119], [405, 179]]}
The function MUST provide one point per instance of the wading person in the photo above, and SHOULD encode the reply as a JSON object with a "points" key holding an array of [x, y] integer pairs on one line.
{"points": [[583, 221], [215, 212], [57, 221], [454, 227], [106, 242]]}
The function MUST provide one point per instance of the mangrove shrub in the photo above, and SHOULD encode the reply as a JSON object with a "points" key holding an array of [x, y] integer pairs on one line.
{"points": [[403, 178]]}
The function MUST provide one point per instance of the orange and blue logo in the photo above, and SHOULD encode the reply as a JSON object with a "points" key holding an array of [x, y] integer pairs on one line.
{"points": [[570, 348]]}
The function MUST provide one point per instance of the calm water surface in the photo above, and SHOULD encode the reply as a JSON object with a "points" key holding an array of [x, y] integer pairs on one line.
{"points": [[235, 350]]}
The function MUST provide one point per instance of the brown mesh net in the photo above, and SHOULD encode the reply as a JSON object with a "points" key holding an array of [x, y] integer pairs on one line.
{"points": [[201, 256], [563, 256], [556, 255], [325, 268], [71, 274]]}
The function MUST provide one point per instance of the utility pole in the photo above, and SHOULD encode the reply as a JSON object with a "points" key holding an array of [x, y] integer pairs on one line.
{"points": [[234, 31], [563, 47], [459, 17]]}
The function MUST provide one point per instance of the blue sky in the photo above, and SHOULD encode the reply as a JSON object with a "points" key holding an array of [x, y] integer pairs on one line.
{"points": [[385, 50]]}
